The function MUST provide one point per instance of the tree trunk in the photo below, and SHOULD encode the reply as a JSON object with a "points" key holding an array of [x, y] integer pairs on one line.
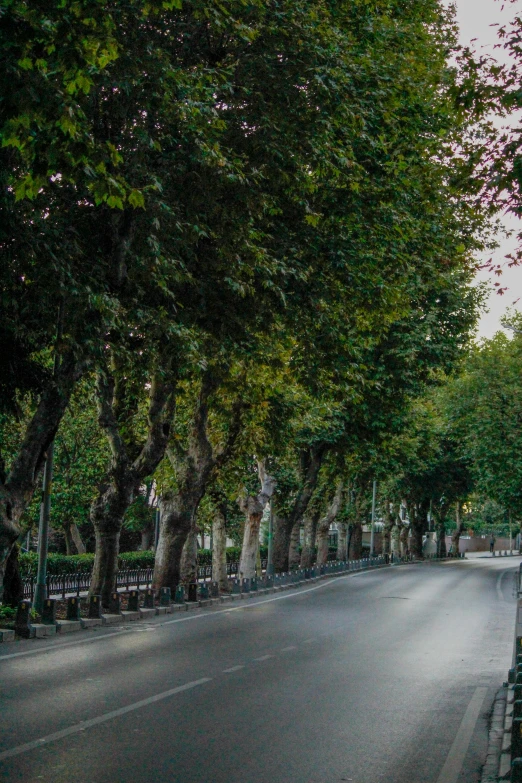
{"points": [[441, 539], [387, 530], [418, 524], [310, 531], [146, 539], [177, 512], [342, 539], [253, 508], [18, 485], [219, 551], [404, 535], [76, 537], [68, 538], [107, 512], [325, 523], [322, 541], [395, 537], [311, 461], [459, 529], [125, 475], [294, 556], [199, 463], [356, 541], [13, 585], [189, 558]]}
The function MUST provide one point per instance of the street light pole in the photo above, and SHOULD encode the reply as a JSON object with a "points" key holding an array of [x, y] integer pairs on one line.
{"points": [[372, 534]]}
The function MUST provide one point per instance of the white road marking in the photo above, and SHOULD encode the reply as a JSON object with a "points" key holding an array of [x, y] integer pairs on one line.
{"points": [[500, 594], [263, 658], [58, 647], [87, 724], [309, 641], [452, 766], [287, 649], [234, 669]]}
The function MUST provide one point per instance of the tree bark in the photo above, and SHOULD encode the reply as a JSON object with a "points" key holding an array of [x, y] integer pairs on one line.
{"points": [[388, 527], [294, 556], [441, 538], [395, 537], [17, 486], [356, 541], [146, 539], [310, 532], [325, 523], [403, 538], [253, 508], [14, 587], [418, 525], [342, 539], [219, 551], [459, 529], [189, 558], [198, 465], [125, 475], [311, 461], [68, 538]]}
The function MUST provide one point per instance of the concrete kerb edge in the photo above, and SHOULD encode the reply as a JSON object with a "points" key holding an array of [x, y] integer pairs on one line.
{"points": [[117, 619]]}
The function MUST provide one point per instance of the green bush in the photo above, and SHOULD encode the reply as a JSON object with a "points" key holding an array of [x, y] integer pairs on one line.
{"points": [[7, 613], [56, 563], [71, 564], [137, 559]]}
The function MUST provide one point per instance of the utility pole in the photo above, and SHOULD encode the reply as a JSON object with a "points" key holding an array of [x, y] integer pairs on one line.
{"points": [[372, 534], [270, 560]]}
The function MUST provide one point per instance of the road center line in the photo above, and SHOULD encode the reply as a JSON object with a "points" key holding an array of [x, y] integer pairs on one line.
{"points": [[453, 764], [263, 658], [87, 724], [234, 668], [287, 649]]}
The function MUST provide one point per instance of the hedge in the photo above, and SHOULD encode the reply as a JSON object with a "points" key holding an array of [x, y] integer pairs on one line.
{"points": [[72, 564]]}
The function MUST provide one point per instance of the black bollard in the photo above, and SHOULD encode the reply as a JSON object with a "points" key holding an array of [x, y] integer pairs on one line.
{"points": [[49, 611], [73, 608], [133, 603], [246, 585], [516, 738], [214, 590], [192, 592], [23, 619], [516, 771], [517, 708], [94, 607], [164, 597], [148, 599], [115, 603]]}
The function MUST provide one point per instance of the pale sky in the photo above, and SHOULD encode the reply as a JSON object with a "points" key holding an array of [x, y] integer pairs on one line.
{"points": [[475, 18]]}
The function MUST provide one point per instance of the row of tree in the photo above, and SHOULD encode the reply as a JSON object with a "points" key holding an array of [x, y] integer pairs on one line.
{"points": [[237, 247]]}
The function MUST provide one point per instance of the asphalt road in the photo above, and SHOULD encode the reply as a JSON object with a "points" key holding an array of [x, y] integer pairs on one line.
{"points": [[383, 676]]}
